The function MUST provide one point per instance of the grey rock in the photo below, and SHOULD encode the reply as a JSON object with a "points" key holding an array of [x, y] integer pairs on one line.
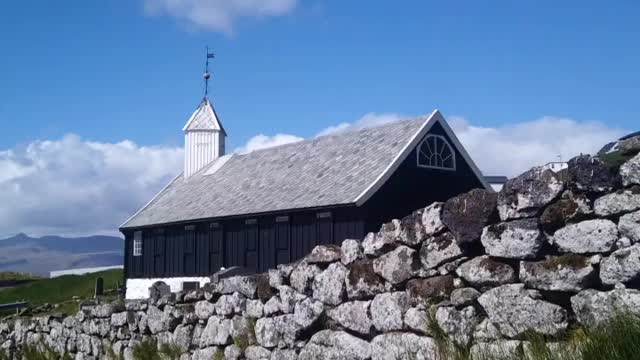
{"points": [[324, 254], [106, 310], [500, 349], [362, 282], [401, 346], [525, 195], [484, 271], [629, 146], [458, 324], [204, 309], [242, 328], [276, 277], [328, 286], [515, 311], [432, 219], [591, 174], [288, 298], [629, 226], [467, 214], [276, 331], [159, 321], [616, 203], [232, 352], [396, 266], [257, 353], [594, 307], [569, 208], [464, 296], [589, 236], [158, 290], [335, 345], [630, 171], [411, 231], [486, 331], [245, 285], [306, 312], [518, 239], [431, 290], [302, 277], [417, 319], [375, 244], [621, 266], [284, 354], [182, 336], [254, 308], [230, 304], [387, 311], [207, 353], [353, 316], [122, 318], [439, 249], [217, 332], [569, 273], [272, 306], [350, 251]]}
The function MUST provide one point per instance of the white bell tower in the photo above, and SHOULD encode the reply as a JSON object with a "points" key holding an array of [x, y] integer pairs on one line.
{"points": [[204, 138]]}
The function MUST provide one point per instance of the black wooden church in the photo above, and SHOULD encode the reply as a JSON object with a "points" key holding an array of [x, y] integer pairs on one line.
{"points": [[272, 206]]}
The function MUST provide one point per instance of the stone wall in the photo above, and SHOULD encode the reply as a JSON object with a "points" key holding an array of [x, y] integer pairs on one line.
{"points": [[546, 254]]}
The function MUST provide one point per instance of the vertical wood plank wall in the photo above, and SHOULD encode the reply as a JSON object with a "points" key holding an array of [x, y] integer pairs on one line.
{"points": [[255, 243]]}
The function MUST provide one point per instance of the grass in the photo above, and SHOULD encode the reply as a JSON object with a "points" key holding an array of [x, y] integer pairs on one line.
{"points": [[61, 290]]}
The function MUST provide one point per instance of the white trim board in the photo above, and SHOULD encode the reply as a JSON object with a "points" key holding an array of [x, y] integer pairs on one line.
{"points": [[434, 117]]}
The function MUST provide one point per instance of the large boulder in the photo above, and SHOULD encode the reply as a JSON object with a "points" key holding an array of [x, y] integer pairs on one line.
{"points": [[398, 265], [589, 236], [571, 273], [630, 171], [306, 312], [439, 249], [230, 304], [526, 194], [432, 219], [328, 286], [430, 290], [158, 290], [161, 321], [323, 254], [280, 331], [467, 214], [302, 277], [483, 271], [621, 266], [362, 281], [217, 332], [464, 296], [594, 307], [204, 309], [335, 345], [387, 310], [629, 226], [350, 251], [458, 324], [518, 239], [410, 230], [417, 319], [568, 209], [630, 145], [401, 346], [591, 174], [517, 311], [245, 285], [353, 316], [257, 353], [375, 244], [617, 203]]}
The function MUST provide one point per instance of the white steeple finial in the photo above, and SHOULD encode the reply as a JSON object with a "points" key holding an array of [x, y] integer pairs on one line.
{"points": [[204, 136]]}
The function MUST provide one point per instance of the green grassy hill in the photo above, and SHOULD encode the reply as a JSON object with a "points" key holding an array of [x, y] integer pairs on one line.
{"points": [[61, 290]]}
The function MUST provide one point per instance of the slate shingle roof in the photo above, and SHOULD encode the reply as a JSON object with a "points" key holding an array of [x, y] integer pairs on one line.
{"points": [[328, 170]]}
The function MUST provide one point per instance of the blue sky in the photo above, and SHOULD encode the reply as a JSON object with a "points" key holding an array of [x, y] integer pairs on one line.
{"points": [[95, 82]]}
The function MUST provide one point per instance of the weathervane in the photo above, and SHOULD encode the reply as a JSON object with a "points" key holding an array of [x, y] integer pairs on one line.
{"points": [[207, 74]]}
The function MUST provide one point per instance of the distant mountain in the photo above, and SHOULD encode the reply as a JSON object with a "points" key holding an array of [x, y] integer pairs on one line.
{"points": [[42, 255]]}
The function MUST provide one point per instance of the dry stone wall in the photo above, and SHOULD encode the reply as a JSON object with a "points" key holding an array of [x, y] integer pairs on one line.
{"points": [[547, 253]]}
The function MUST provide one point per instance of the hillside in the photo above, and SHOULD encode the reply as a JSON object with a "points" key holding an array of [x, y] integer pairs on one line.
{"points": [[41, 255]]}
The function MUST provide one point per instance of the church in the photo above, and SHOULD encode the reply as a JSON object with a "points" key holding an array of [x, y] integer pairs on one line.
{"points": [[272, 206]]}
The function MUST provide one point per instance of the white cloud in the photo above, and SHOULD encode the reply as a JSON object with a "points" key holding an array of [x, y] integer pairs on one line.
{"points": [[72, 186], [368, 120], [264, 141], [218, 15]]}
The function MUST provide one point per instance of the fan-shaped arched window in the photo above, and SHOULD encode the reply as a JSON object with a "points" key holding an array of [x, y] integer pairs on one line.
{"points": [[435, 152]]}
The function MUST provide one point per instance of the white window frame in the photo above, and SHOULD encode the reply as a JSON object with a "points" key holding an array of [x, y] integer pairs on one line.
{"points": [[137, 243], [429, 166]]}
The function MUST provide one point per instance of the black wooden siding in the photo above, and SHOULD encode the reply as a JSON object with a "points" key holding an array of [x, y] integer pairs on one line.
{"points": [[257, 243]]}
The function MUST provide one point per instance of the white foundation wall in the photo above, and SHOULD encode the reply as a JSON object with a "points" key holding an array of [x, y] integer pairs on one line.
{"points": [[139, 288]]}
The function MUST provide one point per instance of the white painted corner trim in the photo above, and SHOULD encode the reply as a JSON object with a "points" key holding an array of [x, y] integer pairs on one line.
{"points": [[139, 288], [433, 118]]}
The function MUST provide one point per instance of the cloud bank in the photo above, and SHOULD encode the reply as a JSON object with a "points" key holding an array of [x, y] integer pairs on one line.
{"points": [[73, 186], [217, 15]]}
